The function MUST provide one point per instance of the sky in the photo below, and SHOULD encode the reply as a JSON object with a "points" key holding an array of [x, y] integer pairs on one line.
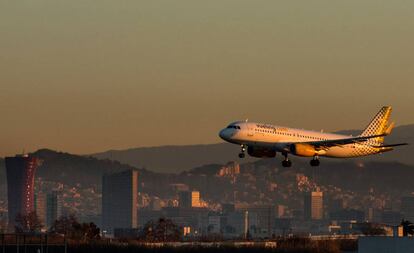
{"points": [[86, 76]]}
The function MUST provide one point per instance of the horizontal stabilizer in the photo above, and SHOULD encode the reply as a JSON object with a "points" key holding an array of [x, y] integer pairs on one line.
{"points": [[391, 145]]}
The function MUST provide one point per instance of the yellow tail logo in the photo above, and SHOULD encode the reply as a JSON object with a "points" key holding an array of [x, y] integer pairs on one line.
{"points": [[379, 125]]}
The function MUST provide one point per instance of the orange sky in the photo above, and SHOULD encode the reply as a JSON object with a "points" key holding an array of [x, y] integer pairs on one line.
{"points": [[87, 76]]}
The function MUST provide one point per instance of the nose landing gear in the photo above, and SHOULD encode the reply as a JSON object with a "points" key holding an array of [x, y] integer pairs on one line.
{"points": [[286, 162], [243, 149]]}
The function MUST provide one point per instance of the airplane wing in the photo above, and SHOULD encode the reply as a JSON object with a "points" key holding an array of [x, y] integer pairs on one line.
{"points": [[340, 142]]}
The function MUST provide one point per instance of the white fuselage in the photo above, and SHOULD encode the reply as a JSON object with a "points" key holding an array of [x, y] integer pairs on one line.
{"points": [[277, 138]]}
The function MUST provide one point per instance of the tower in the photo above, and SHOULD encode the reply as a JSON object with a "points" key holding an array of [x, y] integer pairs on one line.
{"points": [[120, 200], [20, 185]]}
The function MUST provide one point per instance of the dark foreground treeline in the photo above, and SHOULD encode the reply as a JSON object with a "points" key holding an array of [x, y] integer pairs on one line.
{"points": [[295, 245]]}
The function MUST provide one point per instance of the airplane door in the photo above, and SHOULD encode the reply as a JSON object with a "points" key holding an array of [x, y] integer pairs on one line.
{"points": [[250, 131]]}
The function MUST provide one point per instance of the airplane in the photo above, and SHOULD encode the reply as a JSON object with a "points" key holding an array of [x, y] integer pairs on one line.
{"points": [[265, 140]]}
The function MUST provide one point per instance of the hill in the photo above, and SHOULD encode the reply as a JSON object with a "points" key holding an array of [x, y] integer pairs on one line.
{"points": [[70, 169], [173, 159]]}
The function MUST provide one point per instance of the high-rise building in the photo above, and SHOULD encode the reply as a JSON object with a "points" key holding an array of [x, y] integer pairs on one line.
{"points": [[40, 207], [195, 199], [189, 199], [407, 208], [120, 200], [20, 185], [53, 207], [262, 217], [313, 206], [184, 199]]}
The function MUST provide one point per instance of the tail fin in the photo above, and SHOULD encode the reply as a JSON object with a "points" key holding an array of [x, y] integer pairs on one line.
{"points": [[379, 125]]}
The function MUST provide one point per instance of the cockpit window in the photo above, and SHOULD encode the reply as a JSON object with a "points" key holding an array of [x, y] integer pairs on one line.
{"points": [[234, 127]]}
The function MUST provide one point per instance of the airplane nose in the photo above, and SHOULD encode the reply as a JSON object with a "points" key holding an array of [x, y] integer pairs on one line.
{"points": [[224, 134], [227, 134], [221, 134]]}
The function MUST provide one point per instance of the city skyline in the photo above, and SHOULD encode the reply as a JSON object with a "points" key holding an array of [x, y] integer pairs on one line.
{"points": [[270, 199], [114, 76]]}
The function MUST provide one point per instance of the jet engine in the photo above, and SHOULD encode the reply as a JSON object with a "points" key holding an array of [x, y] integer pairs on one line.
{"points": [[260, 152], [303, 150]]}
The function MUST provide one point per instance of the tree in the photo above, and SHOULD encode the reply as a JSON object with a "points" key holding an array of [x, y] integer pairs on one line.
{"points": [[408, 227], [72, 229], [90, 231], [149, 230], [29, 223], [161, 231], [64, 225]]}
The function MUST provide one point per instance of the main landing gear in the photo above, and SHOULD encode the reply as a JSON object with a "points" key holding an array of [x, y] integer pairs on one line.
{"points": [[243, 149], [286, 162], [315, 161]]}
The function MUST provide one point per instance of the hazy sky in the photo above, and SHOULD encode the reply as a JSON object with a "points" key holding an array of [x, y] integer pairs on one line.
{"points": [[86, 76]]}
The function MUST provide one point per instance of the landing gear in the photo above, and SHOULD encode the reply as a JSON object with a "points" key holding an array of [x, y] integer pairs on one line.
{"points": [[315, 161], [243, 149], [286, 162]]}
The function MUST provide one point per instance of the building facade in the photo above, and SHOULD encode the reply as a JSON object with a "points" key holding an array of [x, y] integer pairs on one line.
{"points": [[313, 206], [187, 199], [40, 207], [407, 208], [120, 201], [53, 208]]}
